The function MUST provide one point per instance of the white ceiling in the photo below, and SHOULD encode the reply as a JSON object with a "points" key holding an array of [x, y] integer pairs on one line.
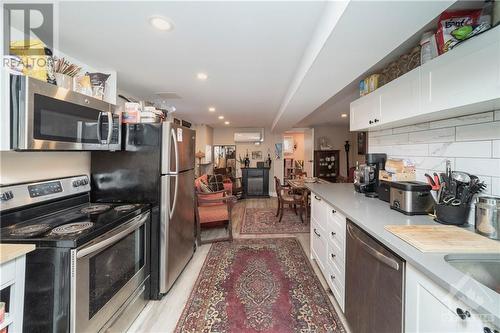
{"points": [[366, 32], [250, 51]]}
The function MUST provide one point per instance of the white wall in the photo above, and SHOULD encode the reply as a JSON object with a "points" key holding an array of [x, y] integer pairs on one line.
{"points": [[204, 137], [225, 136], [471, 143], [298, 154], [18, 167]]}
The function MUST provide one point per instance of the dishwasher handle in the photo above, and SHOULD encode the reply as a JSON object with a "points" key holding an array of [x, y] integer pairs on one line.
{"points": [[374, 253]]}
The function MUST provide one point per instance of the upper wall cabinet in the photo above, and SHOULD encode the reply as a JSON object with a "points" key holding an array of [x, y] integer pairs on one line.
{"points": [[365, 112], [466, 75], [464, 80], [401, 97]]}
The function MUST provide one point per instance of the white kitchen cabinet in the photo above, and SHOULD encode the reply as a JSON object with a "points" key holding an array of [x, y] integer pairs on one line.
{"points": [[365, 112], [432, 309], [318, 244], [400, 98], [328, 245], [462, 81], [466, 75], [12, 270]]}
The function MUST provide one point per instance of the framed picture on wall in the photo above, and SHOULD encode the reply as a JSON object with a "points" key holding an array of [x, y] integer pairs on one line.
{"points": [[362, 142], [256, 155]]}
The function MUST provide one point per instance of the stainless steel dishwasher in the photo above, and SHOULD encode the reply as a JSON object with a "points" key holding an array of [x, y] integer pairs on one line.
{"points": [[374, 285]]}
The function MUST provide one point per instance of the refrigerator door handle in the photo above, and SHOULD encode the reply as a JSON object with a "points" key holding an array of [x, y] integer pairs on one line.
{"points": [[174, 203], [164, 224], [176, 151]]}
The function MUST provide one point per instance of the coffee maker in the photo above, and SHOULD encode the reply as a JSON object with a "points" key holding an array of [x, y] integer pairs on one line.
{"points": [[366, 175]]}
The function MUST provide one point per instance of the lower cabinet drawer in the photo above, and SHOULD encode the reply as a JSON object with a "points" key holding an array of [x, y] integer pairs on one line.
{"points": [[336, 286], [336, 262], [319, 246]]}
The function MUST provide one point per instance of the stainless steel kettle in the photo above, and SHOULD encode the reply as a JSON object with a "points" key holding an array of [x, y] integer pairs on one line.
{"points": [[488, 216]]}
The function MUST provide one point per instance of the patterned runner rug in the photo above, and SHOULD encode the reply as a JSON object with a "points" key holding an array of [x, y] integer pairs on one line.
{"points": [[258, 285], [264, 221]]}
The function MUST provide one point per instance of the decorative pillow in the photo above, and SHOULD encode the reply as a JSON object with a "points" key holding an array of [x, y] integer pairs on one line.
{"points": [[199, 180], [205, 188], [216, 183]]}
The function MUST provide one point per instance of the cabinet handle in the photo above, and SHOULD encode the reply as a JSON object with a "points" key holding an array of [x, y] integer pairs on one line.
{"points": [[317, 234], [332, 277], [375, 120], [463, 314], [370, 122], [333, 234], [334, 211], [317, 198], [332, 255]]}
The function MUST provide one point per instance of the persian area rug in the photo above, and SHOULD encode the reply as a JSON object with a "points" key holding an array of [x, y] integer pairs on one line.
{"points": [[265, 221], [258, 285]]}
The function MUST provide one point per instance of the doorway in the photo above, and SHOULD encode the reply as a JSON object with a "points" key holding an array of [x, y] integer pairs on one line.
{"points": [[225, 160], [298, 152]]}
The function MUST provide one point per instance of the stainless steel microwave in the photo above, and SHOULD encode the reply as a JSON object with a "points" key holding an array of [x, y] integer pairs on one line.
{"points": [[46, 117]]}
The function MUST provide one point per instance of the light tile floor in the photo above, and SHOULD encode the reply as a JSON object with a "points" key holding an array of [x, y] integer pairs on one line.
{"points": [[162, 316]]}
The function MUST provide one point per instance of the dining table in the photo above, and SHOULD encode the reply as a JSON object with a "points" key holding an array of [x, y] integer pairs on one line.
{"points": [[299, 185]]}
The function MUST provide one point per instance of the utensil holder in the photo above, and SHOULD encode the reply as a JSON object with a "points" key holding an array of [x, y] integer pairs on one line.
{"points": [[452, 215], [64, 81]]}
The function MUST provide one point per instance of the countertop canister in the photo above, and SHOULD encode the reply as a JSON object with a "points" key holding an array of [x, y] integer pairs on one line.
{"points": [[488, 216]]}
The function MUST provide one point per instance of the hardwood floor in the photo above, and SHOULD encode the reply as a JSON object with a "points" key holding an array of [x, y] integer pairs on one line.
{"points": [[162, 316]]}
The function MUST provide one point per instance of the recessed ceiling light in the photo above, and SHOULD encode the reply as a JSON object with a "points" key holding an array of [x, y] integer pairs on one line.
{"points": [[221, 117], [202, 76], [211, 109], [344, 115], [161, 23], [226, 122]]}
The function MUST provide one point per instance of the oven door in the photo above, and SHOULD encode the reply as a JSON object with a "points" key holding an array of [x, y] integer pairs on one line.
{"points": [[46, 117], [106, 272]]}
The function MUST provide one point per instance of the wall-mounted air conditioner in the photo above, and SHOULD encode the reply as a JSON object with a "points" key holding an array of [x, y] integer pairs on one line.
{"points": [[248, 137]]}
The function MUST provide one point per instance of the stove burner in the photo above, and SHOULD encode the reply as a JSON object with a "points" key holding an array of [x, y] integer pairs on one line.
{"points": [[95, 209], [124, 208], [30, 230], [72, 228]]}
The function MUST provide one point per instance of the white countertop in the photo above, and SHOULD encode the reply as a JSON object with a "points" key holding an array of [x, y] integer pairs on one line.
{"points": [[10, 252], [373, 214]]}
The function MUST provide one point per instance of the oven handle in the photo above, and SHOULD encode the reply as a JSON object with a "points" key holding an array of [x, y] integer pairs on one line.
{"points": [[110, 127], [374, 253], [134, 224]]}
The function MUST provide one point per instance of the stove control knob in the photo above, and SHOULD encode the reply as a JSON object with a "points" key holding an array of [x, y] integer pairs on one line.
{"points": [[85, 181], [6, 196], [77, 183]]}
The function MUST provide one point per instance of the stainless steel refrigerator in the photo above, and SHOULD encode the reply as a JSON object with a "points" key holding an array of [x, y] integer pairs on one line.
{"points": [[155, 166], [177, 202]]}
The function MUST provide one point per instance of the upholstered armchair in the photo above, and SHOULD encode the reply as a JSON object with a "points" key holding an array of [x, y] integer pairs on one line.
{"points": [[213, 209]]}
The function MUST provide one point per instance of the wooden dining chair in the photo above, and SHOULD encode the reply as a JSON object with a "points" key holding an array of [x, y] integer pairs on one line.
{"points": [[300, 175], [287, 197]]}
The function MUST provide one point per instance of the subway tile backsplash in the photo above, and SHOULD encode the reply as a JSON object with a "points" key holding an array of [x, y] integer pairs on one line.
{"points": [[485, 131], [471, 143]]}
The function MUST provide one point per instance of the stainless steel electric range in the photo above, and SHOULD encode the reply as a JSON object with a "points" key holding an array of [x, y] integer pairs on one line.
{"points": [[90, 269]]}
